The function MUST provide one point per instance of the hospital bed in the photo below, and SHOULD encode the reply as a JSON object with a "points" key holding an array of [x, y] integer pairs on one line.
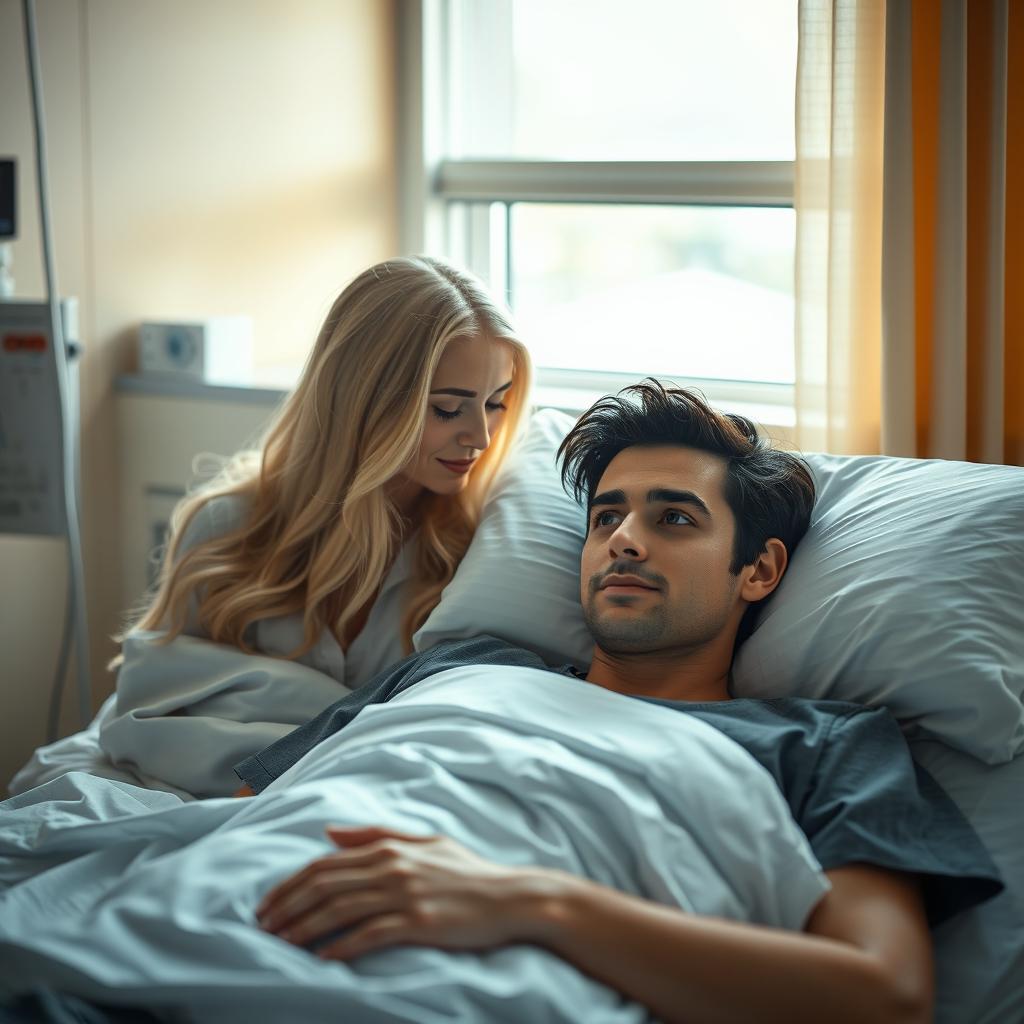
{"points": [[906, 592]]}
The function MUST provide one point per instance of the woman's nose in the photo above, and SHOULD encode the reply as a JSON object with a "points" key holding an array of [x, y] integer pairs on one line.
{"points": [[476, 433]]}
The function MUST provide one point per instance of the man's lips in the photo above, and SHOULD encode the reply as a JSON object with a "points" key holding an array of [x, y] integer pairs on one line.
{"points": [[625, 583]]}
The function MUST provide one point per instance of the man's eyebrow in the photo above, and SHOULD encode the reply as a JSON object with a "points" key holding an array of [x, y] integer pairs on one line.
{"points": [[463, 393], [657, 494], [609, 498]]}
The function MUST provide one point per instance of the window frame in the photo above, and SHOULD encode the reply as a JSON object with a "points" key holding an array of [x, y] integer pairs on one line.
{"points": [[446, 202]]}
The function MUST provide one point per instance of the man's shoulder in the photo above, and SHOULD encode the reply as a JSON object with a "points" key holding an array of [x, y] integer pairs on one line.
{"points": [[806, 709], [803, 722]]}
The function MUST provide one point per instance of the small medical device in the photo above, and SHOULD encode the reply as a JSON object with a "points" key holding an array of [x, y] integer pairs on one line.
{"points": [[31, 437], [217, 350]]}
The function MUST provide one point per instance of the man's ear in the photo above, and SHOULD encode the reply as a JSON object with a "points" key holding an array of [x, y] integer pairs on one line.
{"points": [[764, 574]]}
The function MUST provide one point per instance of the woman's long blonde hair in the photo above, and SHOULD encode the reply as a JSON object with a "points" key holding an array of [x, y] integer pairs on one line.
{"points": [[320, 533]]}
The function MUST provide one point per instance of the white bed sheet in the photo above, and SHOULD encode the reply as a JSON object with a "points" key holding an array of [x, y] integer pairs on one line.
{"points": [[979, 954], [126, 896], [81, 752]]}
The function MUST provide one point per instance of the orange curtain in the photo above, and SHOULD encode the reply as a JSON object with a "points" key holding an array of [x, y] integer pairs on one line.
{"points": [[1013, 257], [954, 231], [910, 228]]}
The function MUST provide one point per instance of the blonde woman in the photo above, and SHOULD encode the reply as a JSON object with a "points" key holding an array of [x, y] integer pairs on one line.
{"points": [[318, 557]]}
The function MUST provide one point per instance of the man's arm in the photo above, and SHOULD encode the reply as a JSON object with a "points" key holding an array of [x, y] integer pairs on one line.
{"points": [[866, 954]]}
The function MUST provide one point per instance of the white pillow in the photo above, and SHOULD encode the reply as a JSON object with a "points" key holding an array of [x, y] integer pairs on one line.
{"points": [[520, 578], [908, 591]]}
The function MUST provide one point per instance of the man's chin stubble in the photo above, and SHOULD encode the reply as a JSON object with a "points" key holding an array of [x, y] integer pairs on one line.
{"points": [[639, 635]]}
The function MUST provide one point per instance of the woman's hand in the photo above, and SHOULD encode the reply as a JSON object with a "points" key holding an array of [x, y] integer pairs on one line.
{"points": [[388, 888]]}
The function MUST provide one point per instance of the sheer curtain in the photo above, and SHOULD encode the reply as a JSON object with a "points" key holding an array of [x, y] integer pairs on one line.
{"points": [[910, 228], [839, 136]]}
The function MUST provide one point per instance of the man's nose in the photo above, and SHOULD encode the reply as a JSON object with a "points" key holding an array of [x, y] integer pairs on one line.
{"points": [[626, 541]]}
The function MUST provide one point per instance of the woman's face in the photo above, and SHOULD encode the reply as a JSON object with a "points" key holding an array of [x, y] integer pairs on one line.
{"points": [[465, 408]]}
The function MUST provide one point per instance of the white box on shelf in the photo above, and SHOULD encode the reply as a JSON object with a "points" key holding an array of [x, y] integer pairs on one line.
{"points": [[215, 350]]}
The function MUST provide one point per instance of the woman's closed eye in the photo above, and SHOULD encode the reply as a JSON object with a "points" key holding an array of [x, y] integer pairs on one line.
{"points": [[445, 415]]}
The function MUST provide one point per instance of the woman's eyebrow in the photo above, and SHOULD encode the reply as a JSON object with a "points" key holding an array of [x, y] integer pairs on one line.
{"points": [[463, 393]]}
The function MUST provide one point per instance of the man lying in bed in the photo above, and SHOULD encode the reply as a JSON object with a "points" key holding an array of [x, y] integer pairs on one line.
{"points": [[692, 518]]}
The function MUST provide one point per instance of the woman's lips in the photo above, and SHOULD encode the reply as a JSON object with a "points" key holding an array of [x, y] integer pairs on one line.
{"points": [[458, 466]]}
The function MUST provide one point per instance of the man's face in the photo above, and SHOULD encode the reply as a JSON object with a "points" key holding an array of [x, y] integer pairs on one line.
{"points": [[655, 567]]}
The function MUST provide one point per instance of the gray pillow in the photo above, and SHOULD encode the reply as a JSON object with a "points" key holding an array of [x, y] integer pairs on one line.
{"points": [[519, 580], [907, 592]]}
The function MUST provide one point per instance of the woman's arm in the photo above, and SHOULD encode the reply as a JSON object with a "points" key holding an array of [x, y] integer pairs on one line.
{"points": [[866, 954]]}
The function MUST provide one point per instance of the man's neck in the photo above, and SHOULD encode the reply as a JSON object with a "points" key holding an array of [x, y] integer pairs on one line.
{"points": [[672, 674]]}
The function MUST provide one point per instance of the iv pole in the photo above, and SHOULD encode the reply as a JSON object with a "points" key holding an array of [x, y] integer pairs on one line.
{"points": [[75, 616]]}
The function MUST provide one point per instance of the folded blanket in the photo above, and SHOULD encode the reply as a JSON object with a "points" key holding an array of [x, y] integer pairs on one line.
{"points": [[183, 719], [81, 752], [136, 898], [184, 713]]}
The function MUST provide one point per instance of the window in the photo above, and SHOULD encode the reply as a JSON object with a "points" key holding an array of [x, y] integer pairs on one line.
{"points": [[623, 174]]}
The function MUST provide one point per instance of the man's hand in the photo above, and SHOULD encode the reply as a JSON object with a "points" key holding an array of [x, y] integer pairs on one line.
{"points": [[388, 888], [865, 957]]}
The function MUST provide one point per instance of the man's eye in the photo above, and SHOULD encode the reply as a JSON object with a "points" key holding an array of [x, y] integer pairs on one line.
{"points": [[676, 518], [444, 414], [603, 519]]}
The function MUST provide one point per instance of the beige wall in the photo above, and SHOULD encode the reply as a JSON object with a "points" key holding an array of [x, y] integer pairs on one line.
{"points": [[205, 158], [161, 435]]}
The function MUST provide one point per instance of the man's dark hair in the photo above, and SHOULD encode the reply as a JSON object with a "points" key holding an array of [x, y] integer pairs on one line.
{"points": [[770, 492]]}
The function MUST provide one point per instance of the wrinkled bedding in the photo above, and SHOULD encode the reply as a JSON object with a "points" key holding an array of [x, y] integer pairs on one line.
{"points": [[190, 695], [134, 897]]}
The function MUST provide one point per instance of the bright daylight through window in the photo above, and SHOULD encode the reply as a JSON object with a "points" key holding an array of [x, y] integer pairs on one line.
{"points": [[623, 173]]}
